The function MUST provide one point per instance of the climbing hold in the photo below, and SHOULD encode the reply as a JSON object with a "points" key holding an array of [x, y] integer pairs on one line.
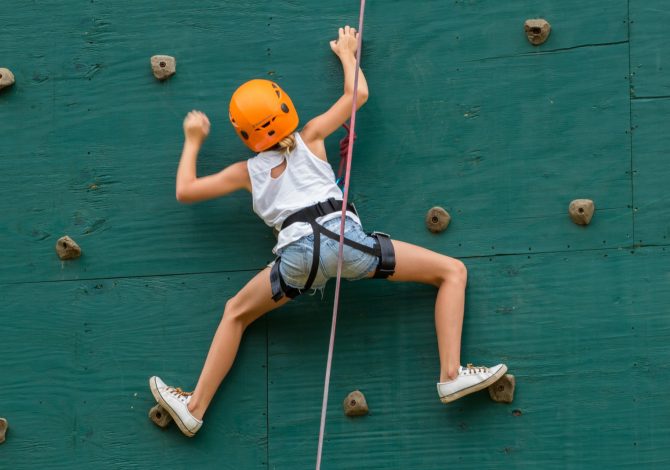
{"points": [[537, 30], [6, 78], [159, 416], [581, 211], [355, 404], [3, 429], [163, 66], [503, 390], [67, 248], [437, 219]]}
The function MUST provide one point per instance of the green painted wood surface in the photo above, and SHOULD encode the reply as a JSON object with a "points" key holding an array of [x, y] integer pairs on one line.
{"points": [[463, 113], [77, 356]]}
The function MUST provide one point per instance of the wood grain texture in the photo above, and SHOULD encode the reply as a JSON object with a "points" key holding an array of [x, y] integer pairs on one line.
{"points": [[76, 359], [98, 159], [651, 146], [582, 333], [649, 48], [463, 113]]}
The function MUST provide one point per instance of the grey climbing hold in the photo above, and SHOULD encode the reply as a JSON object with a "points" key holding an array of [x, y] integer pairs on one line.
{"points": [[581, 211], [6, 78], [159, 416], [355, 404], [437, 219], [163, 66], [4, 425], [537, 30], [503, 390], [67, 248]]}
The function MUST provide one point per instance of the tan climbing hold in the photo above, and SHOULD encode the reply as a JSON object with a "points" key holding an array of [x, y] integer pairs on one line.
{"points": [[503, 390], [581, 211], [6, 78], [437, 219], [537, 30], [163, 66], [355, 404], [4, 425], [67, 248], [159, 416]]}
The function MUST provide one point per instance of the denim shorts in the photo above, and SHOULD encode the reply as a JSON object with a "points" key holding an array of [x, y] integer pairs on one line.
{"points": [[296, 258]]}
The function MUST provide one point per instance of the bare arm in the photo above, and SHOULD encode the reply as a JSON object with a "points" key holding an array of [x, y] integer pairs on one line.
{"points": [[316, 130], [190, 188]]}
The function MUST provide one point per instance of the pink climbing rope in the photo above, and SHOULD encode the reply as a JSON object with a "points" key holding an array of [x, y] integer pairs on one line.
{"points": [[350, 149]]}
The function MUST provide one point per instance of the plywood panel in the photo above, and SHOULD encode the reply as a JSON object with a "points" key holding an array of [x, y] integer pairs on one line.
{"points": [[76, 359], [651, 145], [463, 113], [580, 331], [649, 48], [98, 156]]}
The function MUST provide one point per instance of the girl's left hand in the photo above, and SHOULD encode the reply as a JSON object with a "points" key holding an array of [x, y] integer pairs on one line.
{"points": [[196, 126], [346, 43]]}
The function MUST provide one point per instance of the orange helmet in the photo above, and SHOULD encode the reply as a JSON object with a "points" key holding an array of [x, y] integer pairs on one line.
{"points": [[262, 114]]}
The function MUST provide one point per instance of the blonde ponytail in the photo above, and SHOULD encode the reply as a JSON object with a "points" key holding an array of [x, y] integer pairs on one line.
{"points": [[286, 145]]}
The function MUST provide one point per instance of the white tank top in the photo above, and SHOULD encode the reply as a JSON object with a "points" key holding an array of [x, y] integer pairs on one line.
{"points": [[305, 181]]}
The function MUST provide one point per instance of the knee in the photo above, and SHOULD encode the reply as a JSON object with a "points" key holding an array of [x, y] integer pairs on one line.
{"points": [[234, 312], [454, 271]]}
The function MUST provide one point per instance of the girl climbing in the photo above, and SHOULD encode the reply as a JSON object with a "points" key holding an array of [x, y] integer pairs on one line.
{"points": [[293, 189]]}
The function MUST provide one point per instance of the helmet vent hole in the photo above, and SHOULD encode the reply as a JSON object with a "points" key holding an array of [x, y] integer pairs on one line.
{"points": [[244, 135], [278, 94], [273, 119], [274, 86], [284, 107], [271, 133], [266, 124]]}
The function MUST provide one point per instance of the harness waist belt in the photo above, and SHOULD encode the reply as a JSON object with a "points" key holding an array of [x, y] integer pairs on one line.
{"points": [[311, 213]]}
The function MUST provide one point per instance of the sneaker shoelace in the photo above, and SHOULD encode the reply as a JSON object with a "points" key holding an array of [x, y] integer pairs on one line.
{"points": [[470, 369], [179, 393]]}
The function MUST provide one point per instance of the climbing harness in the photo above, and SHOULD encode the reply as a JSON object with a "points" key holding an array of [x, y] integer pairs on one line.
{"points": [[383, 248]]}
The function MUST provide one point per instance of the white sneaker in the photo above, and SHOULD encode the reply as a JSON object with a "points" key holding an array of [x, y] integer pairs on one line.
{"points": [[175, 401], [469, 380]]}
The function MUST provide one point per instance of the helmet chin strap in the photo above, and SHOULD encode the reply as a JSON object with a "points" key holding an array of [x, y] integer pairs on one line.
{"points": [[350, 148]]}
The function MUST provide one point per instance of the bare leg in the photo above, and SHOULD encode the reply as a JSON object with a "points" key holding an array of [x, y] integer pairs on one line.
{"points": [[449, 275], [250, 303]]}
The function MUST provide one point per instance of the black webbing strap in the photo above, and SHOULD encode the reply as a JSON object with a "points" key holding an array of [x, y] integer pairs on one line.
{"points": [[386, 266], [318, 230], [279, 287], [383, 249], [308, 214]]}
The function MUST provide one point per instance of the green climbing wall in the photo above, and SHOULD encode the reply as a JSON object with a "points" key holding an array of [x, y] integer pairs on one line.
{"points": [[463, 113]]}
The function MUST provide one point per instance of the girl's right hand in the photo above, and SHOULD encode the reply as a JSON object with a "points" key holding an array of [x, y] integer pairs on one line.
{"points": [[196, 126], [346, 43]]}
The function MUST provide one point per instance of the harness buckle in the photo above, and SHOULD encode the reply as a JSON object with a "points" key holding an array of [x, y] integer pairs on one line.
{"points": [[375, 233]]}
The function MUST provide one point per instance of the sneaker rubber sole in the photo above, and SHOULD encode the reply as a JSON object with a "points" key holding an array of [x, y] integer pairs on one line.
{"points": [[163, 403], [475, 388]]}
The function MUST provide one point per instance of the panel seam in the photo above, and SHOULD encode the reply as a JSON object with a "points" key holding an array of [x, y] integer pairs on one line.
{"points": [[631, 130]]}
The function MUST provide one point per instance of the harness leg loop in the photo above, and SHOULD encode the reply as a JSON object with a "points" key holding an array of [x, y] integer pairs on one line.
{"points": [[279, 287], [386, 266]]}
